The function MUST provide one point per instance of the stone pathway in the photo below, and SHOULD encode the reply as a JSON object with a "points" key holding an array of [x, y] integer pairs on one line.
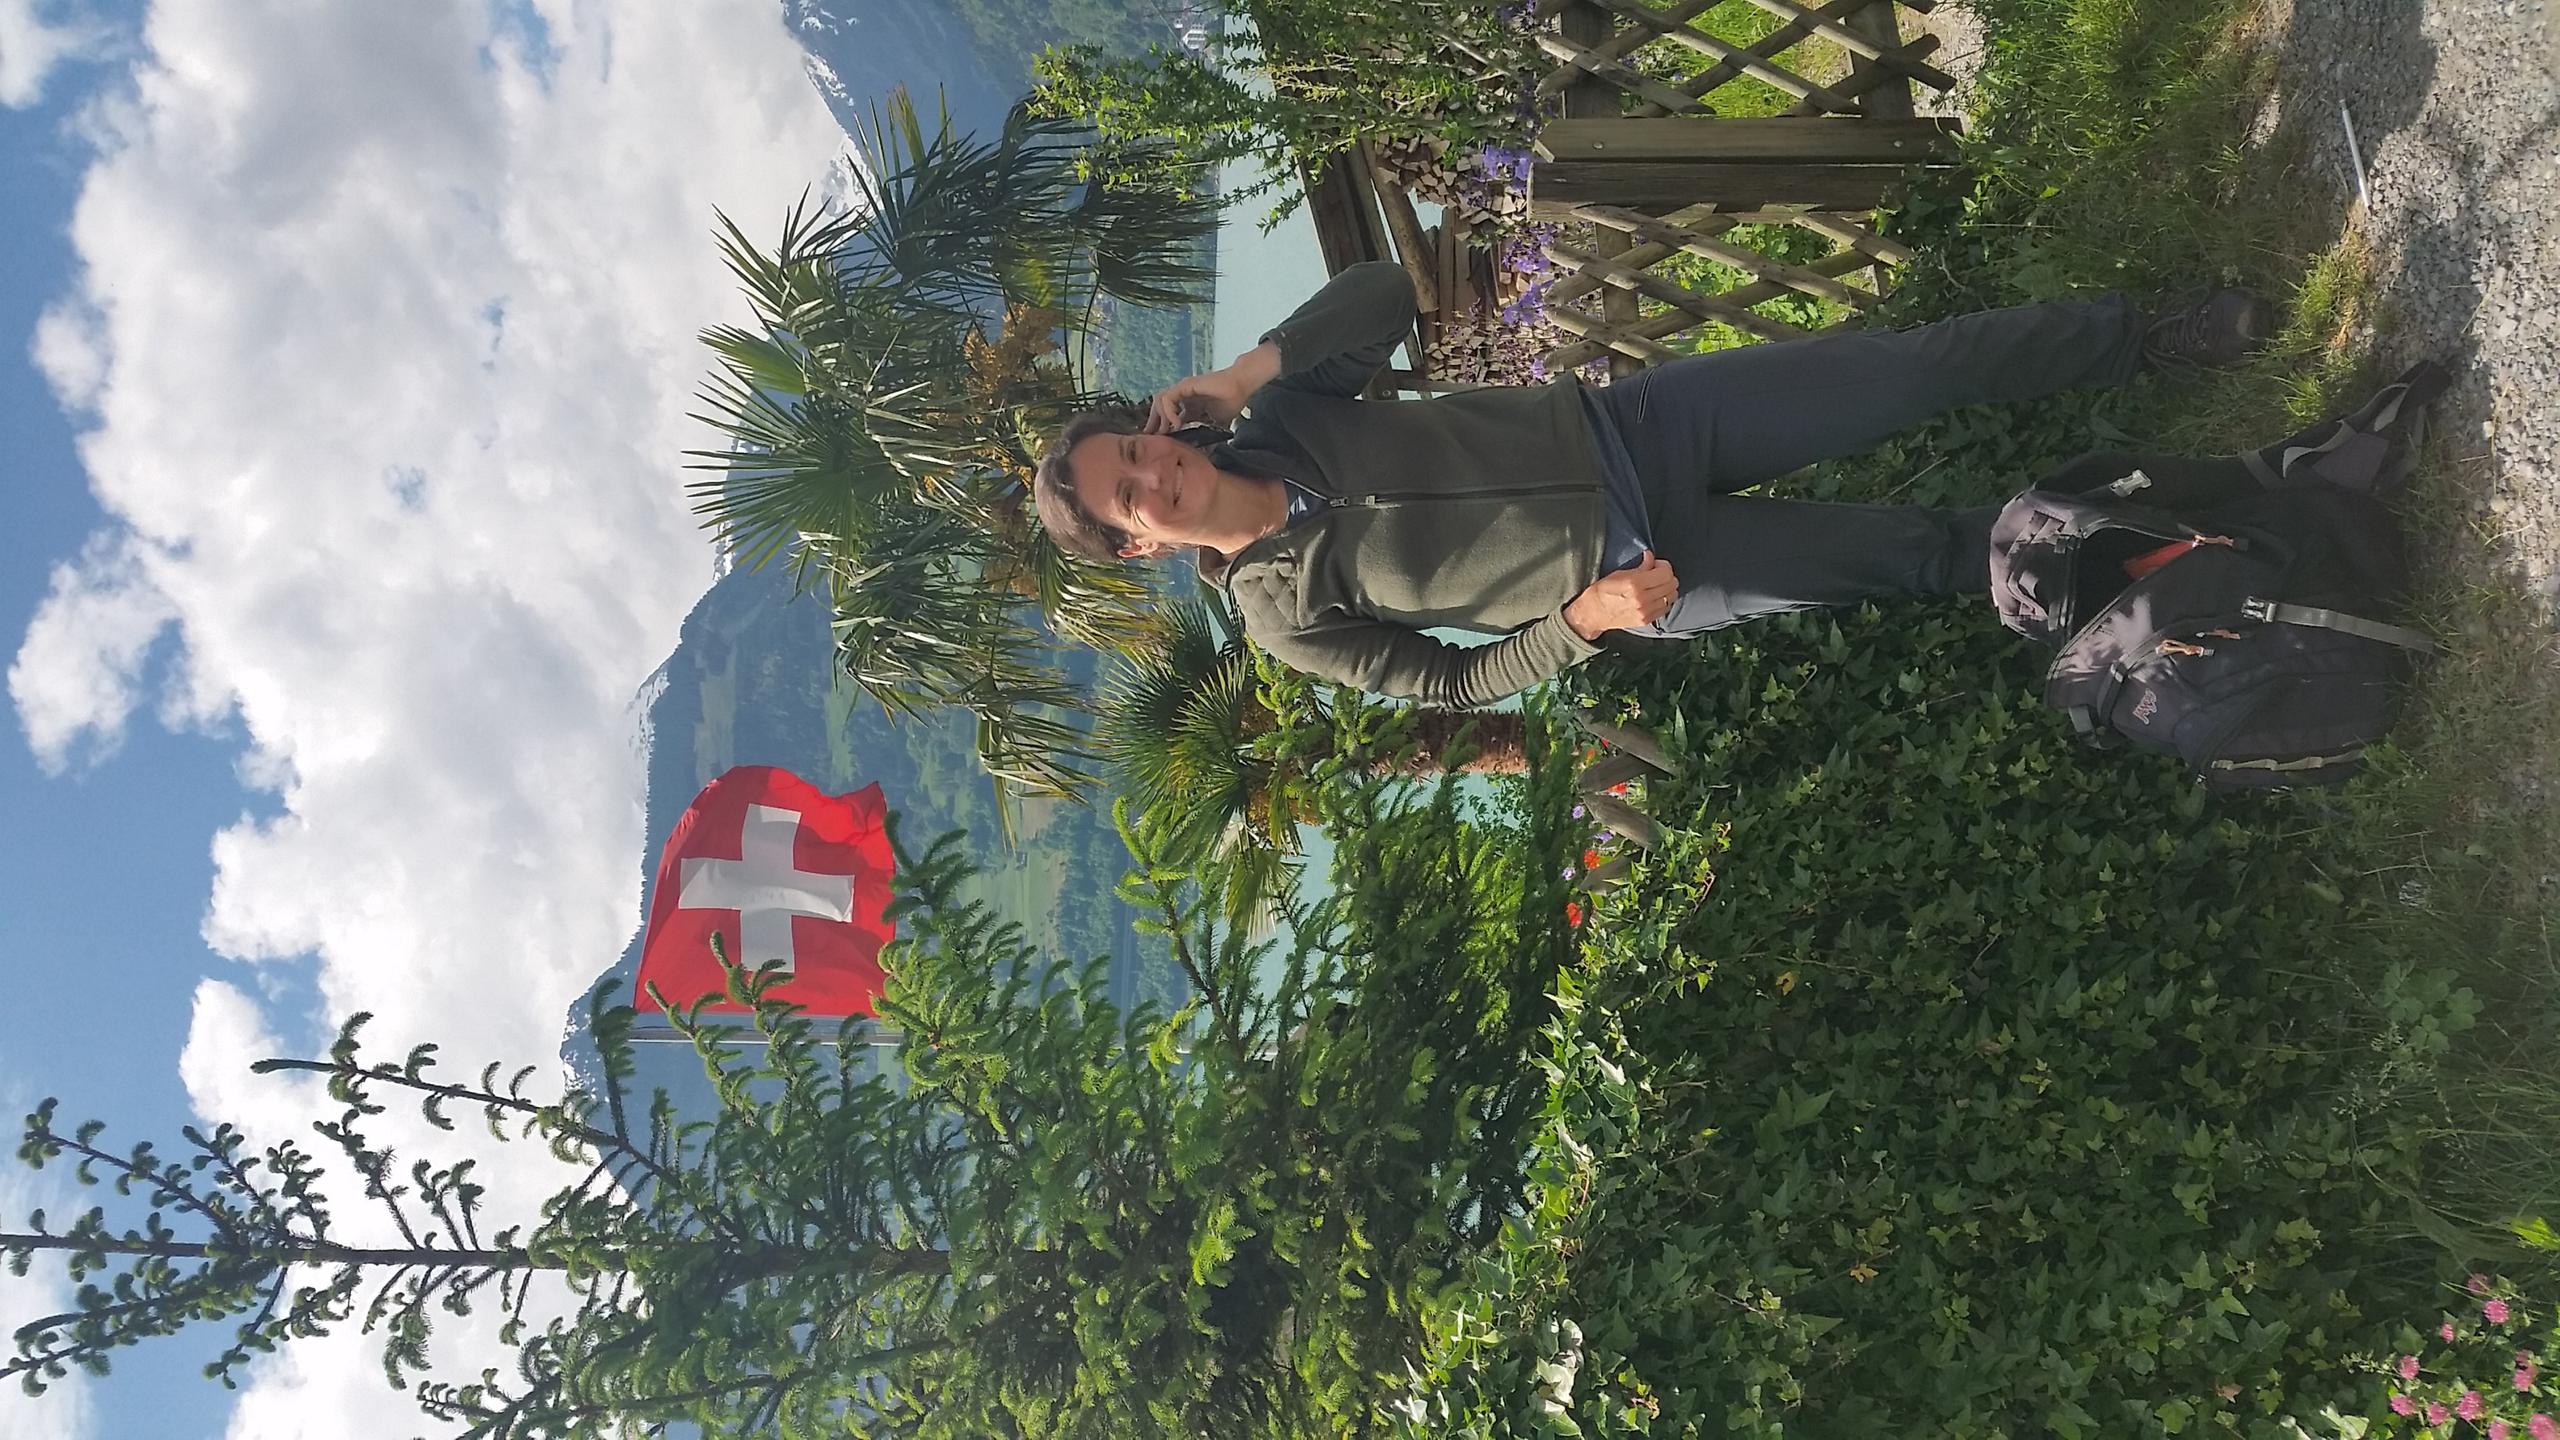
{"points": [[2457, 112]]}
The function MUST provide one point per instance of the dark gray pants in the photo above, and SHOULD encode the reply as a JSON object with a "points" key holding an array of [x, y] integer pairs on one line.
{"points": [[1700, 428]]}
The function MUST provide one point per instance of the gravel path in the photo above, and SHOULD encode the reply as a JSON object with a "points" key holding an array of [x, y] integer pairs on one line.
{"points": [[2457, 111]]}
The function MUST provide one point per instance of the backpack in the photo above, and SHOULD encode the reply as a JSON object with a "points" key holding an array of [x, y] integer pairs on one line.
{"points": [[2252, 639]]}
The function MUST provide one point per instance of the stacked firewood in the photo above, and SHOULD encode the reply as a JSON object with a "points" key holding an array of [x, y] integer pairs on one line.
{"points": [[1424, 166], [1482, 348]]}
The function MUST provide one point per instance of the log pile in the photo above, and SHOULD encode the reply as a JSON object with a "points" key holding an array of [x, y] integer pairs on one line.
{"points": [[1425, 168]]}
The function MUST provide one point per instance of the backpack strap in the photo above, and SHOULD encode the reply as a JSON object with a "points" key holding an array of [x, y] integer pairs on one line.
{"points": [[2086, 729], [2279, 613]]}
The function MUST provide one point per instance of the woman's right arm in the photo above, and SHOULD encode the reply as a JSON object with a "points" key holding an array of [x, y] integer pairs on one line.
{"points": [[1330, 345], [1335, 342]]}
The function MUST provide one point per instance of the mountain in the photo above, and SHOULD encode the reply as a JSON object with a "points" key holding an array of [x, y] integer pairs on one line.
{"points": [[859, 50], [752, 682], [977, 53]]}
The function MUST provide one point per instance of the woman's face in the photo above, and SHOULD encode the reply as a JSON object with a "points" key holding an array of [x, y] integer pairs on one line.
{"points": [[1157, 488]]}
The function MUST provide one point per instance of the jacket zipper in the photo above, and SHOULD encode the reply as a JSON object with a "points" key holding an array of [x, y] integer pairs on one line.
{"points": [[1402, 497]]}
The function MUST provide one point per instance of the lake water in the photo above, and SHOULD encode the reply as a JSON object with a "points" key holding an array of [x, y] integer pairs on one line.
{"points": [[1261, 278]]}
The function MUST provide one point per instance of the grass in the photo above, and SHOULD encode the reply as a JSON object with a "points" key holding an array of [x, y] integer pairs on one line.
{"points": [[2116, 139], [1921, 900], [1741, 25]]}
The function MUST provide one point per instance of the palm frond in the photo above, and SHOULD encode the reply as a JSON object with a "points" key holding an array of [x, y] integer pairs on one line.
{"points": [[879, 437]]}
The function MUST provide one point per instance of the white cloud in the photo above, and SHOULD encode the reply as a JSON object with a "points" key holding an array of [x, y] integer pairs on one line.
{"points": [[385, 341], [35, 36], [70, 353], [79, 673]]}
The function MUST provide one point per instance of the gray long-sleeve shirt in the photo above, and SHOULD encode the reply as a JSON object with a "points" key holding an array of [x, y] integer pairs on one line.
{"points": [[1479, 511]]}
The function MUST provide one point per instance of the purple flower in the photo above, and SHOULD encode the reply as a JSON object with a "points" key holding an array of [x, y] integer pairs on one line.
{"points": [[1577, 812], [1505, 162], [1530, 305], [1525, 257], [1568, 872]]}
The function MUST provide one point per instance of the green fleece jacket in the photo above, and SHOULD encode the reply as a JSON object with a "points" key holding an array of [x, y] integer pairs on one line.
{"points": [[1480, 511]]}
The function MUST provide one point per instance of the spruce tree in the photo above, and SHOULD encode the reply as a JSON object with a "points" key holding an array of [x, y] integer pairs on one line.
{"points": [[1045, 1218]]}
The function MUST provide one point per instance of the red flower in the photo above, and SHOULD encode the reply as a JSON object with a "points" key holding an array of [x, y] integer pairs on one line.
{"points": [[1573, 912], [1590, 859]]}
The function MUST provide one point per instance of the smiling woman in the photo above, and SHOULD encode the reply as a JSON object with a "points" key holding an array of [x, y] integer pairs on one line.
{"points": [[1343, 529], [1116, 488]]}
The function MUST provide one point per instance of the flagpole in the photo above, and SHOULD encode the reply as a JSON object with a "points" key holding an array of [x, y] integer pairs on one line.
{"points": [[664, 1032]]}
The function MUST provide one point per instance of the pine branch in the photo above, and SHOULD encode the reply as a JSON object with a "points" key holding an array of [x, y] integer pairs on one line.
{"points": [[157, 1176], [555, 1119], [294, 1251]]}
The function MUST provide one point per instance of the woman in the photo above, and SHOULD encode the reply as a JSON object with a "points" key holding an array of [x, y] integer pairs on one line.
{"points": [[1343, 529]]}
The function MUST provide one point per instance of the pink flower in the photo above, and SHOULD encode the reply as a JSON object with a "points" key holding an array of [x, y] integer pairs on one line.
{"points": [[2499, 1430], [2471, 1404], [2525, 1372], [2403, 1405], [2495, 1312], [2408, 1367], [2479, 1284], [2447, 1331], [2542, 1427], [2437, 1414]]}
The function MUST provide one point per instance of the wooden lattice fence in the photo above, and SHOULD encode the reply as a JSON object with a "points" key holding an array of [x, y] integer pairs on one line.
{"points": [[1878, 83], [1656, 169], [1643, 167]]}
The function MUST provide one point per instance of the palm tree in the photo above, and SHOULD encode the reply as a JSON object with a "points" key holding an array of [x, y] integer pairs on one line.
{"points": [[1213, 769], [883, 415]]}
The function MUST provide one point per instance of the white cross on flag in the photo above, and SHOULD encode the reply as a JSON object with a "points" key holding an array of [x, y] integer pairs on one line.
{"points": [[781, 871]]}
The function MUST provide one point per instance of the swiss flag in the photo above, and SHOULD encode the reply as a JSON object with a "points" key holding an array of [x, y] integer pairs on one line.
{"points": [[781, 870]]}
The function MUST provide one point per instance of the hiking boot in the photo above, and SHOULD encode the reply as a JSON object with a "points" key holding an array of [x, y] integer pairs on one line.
{"points": [[2223, 328]]}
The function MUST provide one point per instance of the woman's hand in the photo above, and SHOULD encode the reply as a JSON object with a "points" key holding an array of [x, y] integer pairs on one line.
{"points": [[1210, 399], [1215, 397], [1624, 599]]}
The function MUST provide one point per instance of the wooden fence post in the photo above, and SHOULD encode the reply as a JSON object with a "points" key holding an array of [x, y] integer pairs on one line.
{"points": [[1590, 97], [1740, 164]]}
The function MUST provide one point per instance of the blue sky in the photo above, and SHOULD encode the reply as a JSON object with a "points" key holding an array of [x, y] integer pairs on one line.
{"points": [[102, 875], [347, 355]]}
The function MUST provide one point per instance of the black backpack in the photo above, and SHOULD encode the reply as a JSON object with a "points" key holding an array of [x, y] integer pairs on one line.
{"points": [[2253, 638]]}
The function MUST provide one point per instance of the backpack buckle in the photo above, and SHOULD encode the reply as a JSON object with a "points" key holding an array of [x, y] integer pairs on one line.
{"points": [[2259, 609]]}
